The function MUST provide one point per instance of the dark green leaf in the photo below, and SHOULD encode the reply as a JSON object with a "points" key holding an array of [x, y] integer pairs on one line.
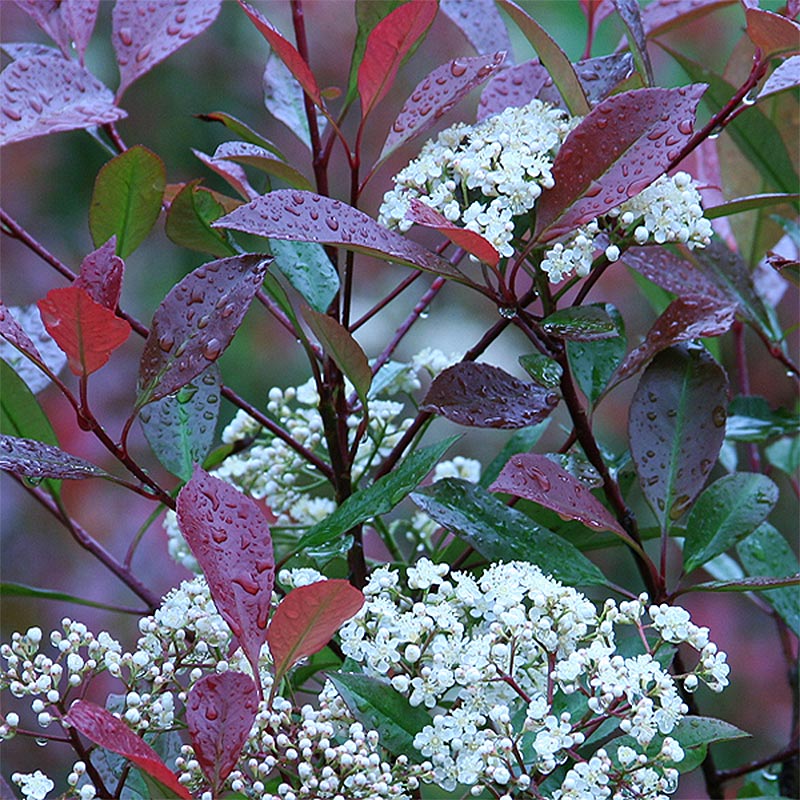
{"points": [[307, 267], [581, 323], [188, 221], [785, 454], [21, 590], [747, 584], [748, 203], [750, 419], [543, 369]]}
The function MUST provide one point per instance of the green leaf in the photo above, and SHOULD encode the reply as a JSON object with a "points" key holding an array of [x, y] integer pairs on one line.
{"points": [[748, 203], [8, 589], [543, 369], [727, 511], [127, 198], [500, 533], [766, 552], [379, 498], [522, 441], [309, 270], [750, 419], [188, 221], [785, 454], [244, 132], [581, 323], [694, 731], [746, 584], [378, 706]]}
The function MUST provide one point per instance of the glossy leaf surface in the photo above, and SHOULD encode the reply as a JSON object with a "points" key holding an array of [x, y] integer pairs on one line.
{"points": [[264, 160], [661, 16], [480, 22], [630, 13], [500, 533], [543, 369], [15, 335], [232, 173], [104, 729], [230, 538], [308, 269], [196, 322], [44, 94], [521, 441], [676, 427], [581, 323], [37, 460], [772, 33], [101, 275], [220, 712], [127, 198], [484, 396], [306, 619], [142, 40], [64, 22], [85, 330], [786, 76], [752, 419], [189, 219]]}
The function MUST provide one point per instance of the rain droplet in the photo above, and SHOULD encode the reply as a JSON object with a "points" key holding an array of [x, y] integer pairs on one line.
{"points": [[679, 506], [211, 349], [332, 223], [686, 127], [457, 69], [166, 342], [212, 714], [125, 36], [719, 415], [507, 312], [40, 741]]}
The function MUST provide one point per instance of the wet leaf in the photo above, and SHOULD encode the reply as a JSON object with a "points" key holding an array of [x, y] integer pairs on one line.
{"points": [[189, 219], [298, 216], [9, 589], [64, 22], [142, 40], [724, 514], [500, 533], [306, 619], [536, 478], [581, 323], [37, 460], [520, 441], [619, 149], [196, 322], [484, 396], [676, 426], [630, 13], [785, 76], [101, 275], [380, 707], [751, 419], [379, 498], [544, 370], [243, 131], [750, 202], [262, 159], [661, 16], [772, 33], [436, 94], [85, 330], [104, 729], [387, 45], [126, 200], [220, 711], [308, 269], [180, 427], [18, 341], [232, 173], [230, 538], [513, 87], [480, 22], [48, 94]]}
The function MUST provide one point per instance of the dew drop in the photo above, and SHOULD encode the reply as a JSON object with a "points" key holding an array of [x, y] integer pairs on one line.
{"points": [[40, 741], [332, 223], [457, 69], [166, 342], [212, 714], [601, 122], [718, 416], [143, 54], [507, 312], [686, 127], [679, 506], [125, 36], [219, 536], [12, 114]]}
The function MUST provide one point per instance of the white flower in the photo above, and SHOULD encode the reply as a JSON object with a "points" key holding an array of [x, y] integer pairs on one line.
{"points": [[34, 785]]}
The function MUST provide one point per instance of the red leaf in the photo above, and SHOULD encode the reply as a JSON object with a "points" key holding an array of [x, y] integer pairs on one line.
{"points": [[436, 94], [786, 76], [220, 712], [230, 538], [47, 94], [483, 396], [106, 730], [101, 275], [196, 322], [618, 150], [287, 53], [86, 331], [537, 478], [307, 618], [388, 44], [471, 241], [144, 35], [480, 22], [772, 33], [65, 21], [661, 16]]}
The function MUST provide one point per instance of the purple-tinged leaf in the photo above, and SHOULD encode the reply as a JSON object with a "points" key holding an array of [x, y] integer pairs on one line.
{"points": [[101, 275], [786, 76], [244, 132], [144, 35], [687, 317], [196, 322], [79, 19], [480, 22], [552, 57], [230, 538], [189, 219], [64, 21], [676, 427], [661, 16], [306, 619], [15, 50], [535, 477], [232, 173], [37, 460], [48, 94], [630, 13], [15, 334], [599, 77], [104, 729], [262, 159], [387, 45], [299, 216], [484, 396], [220, 711], [436, 94], [772, 33], [618, 150], [596, 11], [287, 53], [512, 88], [471, 241]]}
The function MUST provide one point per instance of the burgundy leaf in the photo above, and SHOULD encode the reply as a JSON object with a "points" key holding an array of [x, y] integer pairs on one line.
{"points": [[230, 538], [287, 53], [388, 44], [618, 150], [38, 460], [599, 77], [687, 317], [437, 94], [101, 275], [483, 396], [786, 76], [85, 330], [262, 159], [104, 729], [79, 19], [676, 427], [471, 241], [14, 333], [48, 94], [537, 478], [299, 216], [144, 35], [596, 11], [661, 16], [196, 322], [232, 173], [480, 22], [220, 712], [772, 33], [307, 618], [65, 21], [513, 88], [630, 13]]}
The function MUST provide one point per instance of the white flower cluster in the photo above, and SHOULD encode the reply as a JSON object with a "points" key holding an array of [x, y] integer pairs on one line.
{"points": [[519, 671]]}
